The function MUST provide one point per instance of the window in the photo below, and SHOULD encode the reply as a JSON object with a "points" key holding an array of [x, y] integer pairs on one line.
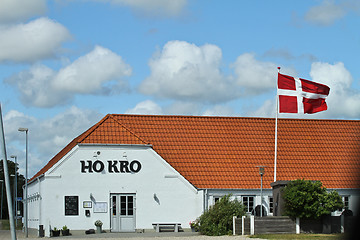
{"points": [[126, 205], [71, 205], [114, 205], [345, 200], [271, 204], [248, 202], [216, 199], [123, 205]]}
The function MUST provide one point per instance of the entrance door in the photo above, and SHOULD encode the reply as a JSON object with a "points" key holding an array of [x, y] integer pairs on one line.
{"points": [[123, 212]]}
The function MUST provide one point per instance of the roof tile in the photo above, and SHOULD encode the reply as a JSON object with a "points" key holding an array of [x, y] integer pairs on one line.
{"points": [[223, 152]]}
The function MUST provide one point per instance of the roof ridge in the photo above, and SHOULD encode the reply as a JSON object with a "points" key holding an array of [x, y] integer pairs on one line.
{"points": [[127, 129], [235, 117]]}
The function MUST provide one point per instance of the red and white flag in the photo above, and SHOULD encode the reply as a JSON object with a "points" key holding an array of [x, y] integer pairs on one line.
{"points": [[298, 95]]}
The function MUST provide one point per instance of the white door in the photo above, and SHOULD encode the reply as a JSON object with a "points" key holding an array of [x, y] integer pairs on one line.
{"points": [[122, 212]]}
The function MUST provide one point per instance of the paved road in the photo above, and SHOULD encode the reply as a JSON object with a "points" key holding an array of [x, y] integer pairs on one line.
{"points": [[5, 235]]}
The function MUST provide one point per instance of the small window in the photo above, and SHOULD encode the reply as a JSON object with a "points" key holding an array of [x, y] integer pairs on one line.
{"points": [[114, 206], [271, 204], [216, 199], [345, 200], [71, 205], [123, 205], [130, 205], [248, 202]]}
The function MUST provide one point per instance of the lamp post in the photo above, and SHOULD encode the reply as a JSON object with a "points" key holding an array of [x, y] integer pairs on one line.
{"points": [[26, 130], [2, 196], [13, 175], [261, 172], [15, 188]]}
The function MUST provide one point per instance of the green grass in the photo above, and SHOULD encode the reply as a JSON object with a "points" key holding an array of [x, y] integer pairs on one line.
{"points": [[300, 236], [5, 225]]}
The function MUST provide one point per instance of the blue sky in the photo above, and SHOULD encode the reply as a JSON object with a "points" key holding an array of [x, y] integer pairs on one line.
{"points": [[66, 64]]}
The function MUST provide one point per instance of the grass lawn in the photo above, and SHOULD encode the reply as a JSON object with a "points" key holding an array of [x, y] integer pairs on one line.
{"points": [[300, 236], [5, 225]]}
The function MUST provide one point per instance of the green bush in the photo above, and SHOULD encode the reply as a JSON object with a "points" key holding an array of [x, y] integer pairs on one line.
{"points": [[218, 220], [309, 199]]}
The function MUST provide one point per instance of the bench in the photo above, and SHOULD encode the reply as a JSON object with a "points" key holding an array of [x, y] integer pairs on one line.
{"points": [[174, 226]]}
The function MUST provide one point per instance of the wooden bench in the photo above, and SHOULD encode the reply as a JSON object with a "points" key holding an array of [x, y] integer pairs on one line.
{"points": [[175, 226]]}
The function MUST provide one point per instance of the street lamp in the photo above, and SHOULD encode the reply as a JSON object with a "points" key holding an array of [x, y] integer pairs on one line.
{"points": [[15, 188], [261, 172], [26, 130]]}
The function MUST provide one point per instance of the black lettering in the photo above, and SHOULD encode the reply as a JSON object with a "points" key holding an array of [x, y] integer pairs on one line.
{"points": [[84, 167], [135, 166], [98, 166], [124, 166], [112, 166]]}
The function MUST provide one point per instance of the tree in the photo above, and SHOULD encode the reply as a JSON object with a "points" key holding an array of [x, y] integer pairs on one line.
{"points": [[309, 199], [20, 183], [218, 219]]}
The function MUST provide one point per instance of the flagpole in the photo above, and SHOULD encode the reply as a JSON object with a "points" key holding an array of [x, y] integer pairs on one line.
{"points": [[276, 128]]}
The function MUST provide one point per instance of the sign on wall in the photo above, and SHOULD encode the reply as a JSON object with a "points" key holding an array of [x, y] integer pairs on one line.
{"points": [[87, 204], [71, 205], [111, 166], [100, 207]]}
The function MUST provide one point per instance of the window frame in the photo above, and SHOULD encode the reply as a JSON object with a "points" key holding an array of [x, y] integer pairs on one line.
{"points": [[247, 206]]}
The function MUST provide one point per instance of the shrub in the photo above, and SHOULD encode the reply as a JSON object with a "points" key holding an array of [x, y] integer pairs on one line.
{"points": [[309, 199], [218, 220]]}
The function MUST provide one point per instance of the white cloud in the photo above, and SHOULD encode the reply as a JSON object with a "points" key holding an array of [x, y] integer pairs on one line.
{"points": [[36, 89], [268, 109], [343, 100], [36, 40], [146, 107], [154, 7], [255, 77], [89, 73], [219, 110], [183, 108], [185, 71], [99, 72], [46, 136], [18, 10], [326, 13], [180, 108]]}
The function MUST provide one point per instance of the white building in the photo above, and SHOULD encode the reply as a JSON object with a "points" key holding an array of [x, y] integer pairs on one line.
{"points": [[131, 171]]}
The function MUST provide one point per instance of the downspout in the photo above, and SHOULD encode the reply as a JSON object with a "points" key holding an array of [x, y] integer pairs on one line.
{"points": [[205, 205], [204, 194], [38, 179]]}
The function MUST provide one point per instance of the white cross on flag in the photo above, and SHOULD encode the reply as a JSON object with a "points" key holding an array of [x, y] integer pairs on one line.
{"points": [[298, 95]]}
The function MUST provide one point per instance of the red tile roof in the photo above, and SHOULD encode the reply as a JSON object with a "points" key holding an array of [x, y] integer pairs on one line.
{"points": [[223, 152]]}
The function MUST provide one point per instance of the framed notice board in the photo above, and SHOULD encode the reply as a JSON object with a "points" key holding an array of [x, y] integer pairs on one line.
{"points": [[100, 207], [71, 205]]}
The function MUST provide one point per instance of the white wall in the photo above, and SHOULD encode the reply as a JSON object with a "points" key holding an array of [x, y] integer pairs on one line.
{"points": [[354, 199], [34, 204], [238, 193], [179, 200]]}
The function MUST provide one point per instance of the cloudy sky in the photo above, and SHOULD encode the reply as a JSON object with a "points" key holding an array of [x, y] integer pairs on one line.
{"points": [[64, 64]]}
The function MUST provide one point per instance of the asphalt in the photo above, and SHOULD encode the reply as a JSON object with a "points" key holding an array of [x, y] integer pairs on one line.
{"points": [[6, 235]]}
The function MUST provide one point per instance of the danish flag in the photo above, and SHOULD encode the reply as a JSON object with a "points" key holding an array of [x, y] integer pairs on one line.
{"points": [[298, 95]]}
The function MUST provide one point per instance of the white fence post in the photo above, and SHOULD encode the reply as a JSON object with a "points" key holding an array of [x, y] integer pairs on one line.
{"points": [[234, 224], [242, 225], [342, 219], [297, 225], [252, 225]]}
